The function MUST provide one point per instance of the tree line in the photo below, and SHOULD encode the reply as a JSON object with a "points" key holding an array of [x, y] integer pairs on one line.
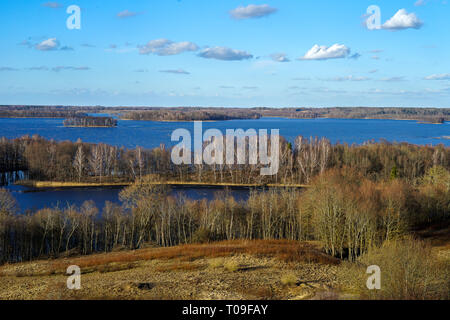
{"points": [[84, 121], [189, 115], [346, 211], [300, 162], [433, 115]]}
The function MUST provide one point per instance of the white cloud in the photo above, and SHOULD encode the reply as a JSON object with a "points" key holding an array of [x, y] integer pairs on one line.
{"points": [[47, 45], [393, 79], [419, 3], [348, 78], [301, 79], [444, 76], [126, 14], [8, 69], [177, 71], [52, 5], [317, 52], [403, 20], [223, 53], [280, 57], [252, 11], [60, 68], [164, 47]]}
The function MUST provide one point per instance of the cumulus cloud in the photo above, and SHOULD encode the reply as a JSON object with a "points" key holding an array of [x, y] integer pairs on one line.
{"points": [[444, 76], [177, 71], [126, 14], [223, 53], [403, 20], [252, 11], [52, 5], [317, 52], [164, 47], [280, 57], [48, 45]]}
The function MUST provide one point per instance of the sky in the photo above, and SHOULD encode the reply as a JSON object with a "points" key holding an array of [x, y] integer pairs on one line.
{"points": [[284, 53]]}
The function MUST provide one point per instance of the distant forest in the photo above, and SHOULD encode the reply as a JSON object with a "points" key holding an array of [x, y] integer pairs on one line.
{"points": [[188, 115], [428, 115], [90, 122]]}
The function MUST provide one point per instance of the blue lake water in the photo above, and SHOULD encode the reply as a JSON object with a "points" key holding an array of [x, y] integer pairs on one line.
{"points": [[149, 134], [32, 199]]}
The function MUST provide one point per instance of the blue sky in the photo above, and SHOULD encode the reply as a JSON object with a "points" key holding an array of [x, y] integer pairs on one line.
{"points": [[282, 53]]}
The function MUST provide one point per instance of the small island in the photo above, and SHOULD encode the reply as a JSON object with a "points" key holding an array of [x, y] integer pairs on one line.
{"points": [[91, 122]]}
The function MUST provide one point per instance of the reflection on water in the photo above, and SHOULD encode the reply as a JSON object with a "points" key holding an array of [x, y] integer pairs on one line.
{"points": [[7, 178], [34, 199]]}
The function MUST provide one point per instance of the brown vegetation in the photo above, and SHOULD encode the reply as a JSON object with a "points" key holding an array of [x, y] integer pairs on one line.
{"points": [[410, 270]]}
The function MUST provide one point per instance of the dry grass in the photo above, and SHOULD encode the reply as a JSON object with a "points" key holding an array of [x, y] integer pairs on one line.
{"points": [[287, 251], [219, 252], [231, 266], [289, 280], [179, 266], [259, 293], [216, 263]]}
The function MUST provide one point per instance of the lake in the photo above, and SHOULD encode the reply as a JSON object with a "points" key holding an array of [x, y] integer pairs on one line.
{"points": [[149, 134], [32, 199]]}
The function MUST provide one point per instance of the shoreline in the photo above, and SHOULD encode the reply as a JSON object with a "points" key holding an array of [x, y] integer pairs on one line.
{"points": [[58, 184], [420, 121]]}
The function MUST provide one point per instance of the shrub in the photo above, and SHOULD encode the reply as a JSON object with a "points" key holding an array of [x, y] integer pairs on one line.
{"points": [[231, 266], [216, 263], [289, 280], [409, 271]]}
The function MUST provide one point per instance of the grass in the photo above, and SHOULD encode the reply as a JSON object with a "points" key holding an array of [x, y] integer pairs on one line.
{"points": [[216, 263], [289, 280], [74, 184], [259, 293], [179, 266], [284, 250], [231, 266]]}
